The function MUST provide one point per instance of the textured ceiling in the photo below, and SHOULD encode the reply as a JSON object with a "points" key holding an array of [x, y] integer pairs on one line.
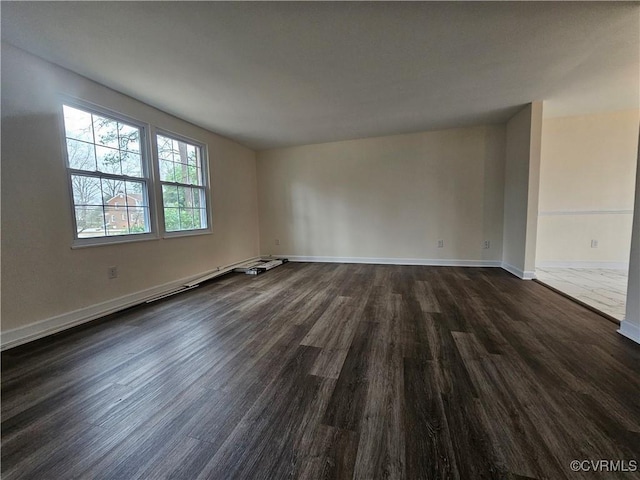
{"points": [[275, 74]]}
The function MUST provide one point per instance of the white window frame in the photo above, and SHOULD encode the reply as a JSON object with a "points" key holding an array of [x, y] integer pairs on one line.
{"points": [[205, 179], [151, 176], [147, 171]]}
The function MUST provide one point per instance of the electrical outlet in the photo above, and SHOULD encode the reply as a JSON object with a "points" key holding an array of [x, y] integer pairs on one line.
{"points": [[594, 243], [277, 241], [486, 244], [112, 272], [440, 243]]}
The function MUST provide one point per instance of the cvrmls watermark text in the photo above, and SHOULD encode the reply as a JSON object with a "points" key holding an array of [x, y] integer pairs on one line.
{"points": [[604, 465]]}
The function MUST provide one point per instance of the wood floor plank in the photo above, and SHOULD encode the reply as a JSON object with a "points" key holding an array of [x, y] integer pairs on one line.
{"points": [[428, 444], [331, 358], [347, 402], [426, 297], [327, 371], [253, 449], [381, 447], [519, 445], [323, 331], [331, 454]]}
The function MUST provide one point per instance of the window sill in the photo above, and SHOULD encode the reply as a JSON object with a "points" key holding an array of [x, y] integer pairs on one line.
{"points": [[115, 240], [187, 233]]}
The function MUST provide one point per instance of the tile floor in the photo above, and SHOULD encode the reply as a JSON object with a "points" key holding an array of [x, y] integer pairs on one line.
{"points": [[604, 289]]}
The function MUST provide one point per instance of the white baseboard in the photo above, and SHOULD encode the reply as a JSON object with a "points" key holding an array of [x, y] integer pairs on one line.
{"points": [[581, 264], [527, 275], [630, 330], [553, 213], [523, 275], [49, 326], [394, 261]]}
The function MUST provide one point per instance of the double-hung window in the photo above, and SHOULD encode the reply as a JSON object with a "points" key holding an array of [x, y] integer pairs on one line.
{"points": [[116, 180], [184, 190], [109, 175]]}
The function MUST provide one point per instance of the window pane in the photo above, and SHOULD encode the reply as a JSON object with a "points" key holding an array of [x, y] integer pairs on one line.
{"points": [[184, 197], [164, 148], [134, 194], [203, 218], [178, 147], [108, 160], [81, 155], [77, 124], [129, 138], [198, 198], [89, 222], [171, 219], [166, 171], [105, 131], [138, 220], [112, 191], [86, 190], [113, 221], [186, 219], [170, 195], [192, 157], [124, 220], [197, 221], [131, 164], [119, 202], [189, 199], [181, 173], [194, 175]]}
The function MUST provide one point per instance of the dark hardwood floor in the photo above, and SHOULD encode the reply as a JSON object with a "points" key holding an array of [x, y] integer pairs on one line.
{"points": [[321, 371]]}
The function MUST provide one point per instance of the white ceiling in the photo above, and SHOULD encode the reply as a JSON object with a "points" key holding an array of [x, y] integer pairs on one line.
{"points": [[276, 74]]}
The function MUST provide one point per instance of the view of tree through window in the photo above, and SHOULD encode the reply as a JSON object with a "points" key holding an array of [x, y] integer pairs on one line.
{"points": [[111, 182], [107, 175], [183, 186]]}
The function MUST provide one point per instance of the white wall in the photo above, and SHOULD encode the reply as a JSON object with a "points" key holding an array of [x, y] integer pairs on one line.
{"points": [[43, 279], [630, 326], [387, 198], [587, 178], [522, 174]]}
